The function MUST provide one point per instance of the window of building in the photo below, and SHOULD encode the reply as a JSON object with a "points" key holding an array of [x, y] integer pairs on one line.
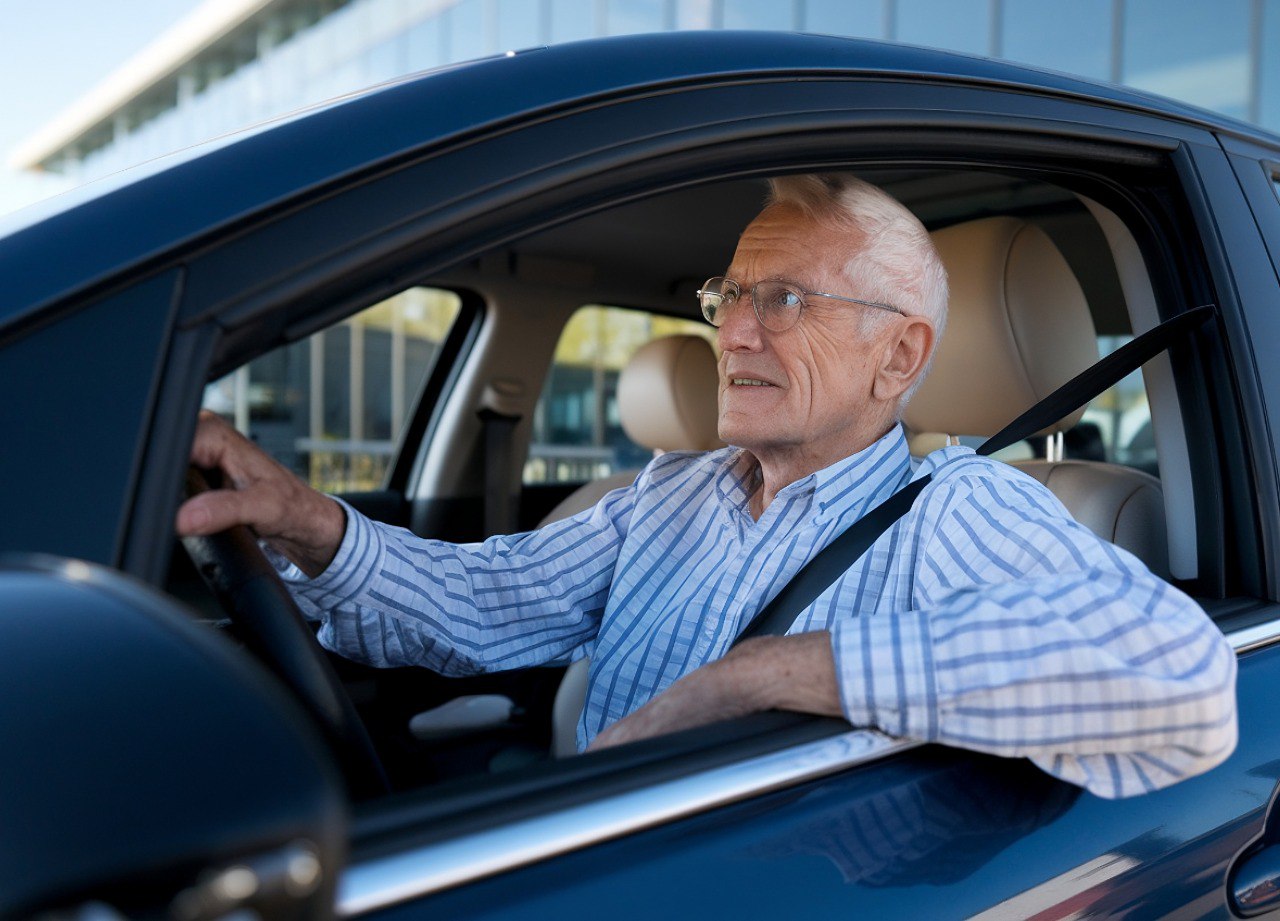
{"points": [[423, 45], [519, 24], [331, 407], [858, 18], [624, 17], [1269, 67], [464, 27], [349, 29], [577, 431], [957, 25], [572, 20], [759, 14], [1071, 37], [1198, 53], [695, 14]]}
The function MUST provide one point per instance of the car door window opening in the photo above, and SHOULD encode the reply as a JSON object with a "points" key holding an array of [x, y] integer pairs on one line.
{"points": [[529, 279]]}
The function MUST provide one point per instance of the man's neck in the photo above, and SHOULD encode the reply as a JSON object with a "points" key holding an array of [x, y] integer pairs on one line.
{"points": [[779, 469]]}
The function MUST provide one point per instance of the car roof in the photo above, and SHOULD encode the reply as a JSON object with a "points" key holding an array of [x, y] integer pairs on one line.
{"points": [[147, 214]]}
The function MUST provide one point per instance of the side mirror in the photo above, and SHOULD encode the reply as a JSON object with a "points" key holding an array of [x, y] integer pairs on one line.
{"points": [[148, 767]]}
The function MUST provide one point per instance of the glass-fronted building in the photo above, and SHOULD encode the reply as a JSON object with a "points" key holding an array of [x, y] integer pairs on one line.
{"points": [[254, 59], [332, 406]]}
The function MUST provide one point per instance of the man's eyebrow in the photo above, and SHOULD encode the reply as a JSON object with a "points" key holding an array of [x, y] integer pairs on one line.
{"points": [[785, 279], [802, 283]]}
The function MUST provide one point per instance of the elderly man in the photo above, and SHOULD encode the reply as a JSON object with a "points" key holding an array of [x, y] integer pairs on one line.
{"points": [[985, 618]]}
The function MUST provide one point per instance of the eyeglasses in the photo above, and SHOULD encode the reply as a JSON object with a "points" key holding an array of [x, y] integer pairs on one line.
{"points": [[777, 303]]}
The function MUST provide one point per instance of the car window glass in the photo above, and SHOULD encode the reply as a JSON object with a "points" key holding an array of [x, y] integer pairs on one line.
{"points": [[577, 432], [331, 407]]}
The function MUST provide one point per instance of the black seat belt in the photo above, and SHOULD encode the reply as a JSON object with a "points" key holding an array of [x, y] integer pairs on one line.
{"points": [[499, 430], [816, 576]]}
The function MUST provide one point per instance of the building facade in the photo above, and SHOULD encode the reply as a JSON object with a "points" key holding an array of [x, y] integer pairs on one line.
{"points": [[243, 61]]}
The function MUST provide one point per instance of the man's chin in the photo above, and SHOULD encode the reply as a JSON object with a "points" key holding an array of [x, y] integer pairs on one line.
{"points": [[742, 433]]}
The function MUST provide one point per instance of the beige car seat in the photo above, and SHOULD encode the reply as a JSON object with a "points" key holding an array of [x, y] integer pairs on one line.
{"points": [[667, 400], [1019, 327]]}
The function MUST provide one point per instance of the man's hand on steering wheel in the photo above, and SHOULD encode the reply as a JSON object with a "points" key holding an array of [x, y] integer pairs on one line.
{"points": [[304, 525]]}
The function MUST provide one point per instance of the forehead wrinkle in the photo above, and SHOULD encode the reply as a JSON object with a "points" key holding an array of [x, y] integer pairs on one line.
{"points": [[783, 258], [793, 247]]}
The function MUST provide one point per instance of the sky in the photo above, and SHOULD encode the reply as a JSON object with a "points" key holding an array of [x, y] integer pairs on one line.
{"points": [[51, 53]]}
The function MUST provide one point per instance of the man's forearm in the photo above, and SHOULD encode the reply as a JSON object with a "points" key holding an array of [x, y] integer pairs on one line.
{"points": [[768, 673], [785, 673]]}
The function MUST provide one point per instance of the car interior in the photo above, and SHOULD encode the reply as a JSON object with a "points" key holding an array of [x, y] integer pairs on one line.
{"points": [[1044, 279]]}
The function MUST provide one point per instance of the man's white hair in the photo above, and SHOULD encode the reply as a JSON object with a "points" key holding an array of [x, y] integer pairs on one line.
{"points": [[893, 259]]}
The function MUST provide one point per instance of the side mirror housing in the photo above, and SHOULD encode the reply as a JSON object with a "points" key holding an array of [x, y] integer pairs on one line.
{"points": [[149, 765]]}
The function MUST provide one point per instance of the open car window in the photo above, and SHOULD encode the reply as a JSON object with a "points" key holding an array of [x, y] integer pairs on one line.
{"points": [[332, 407], [577, 430], [571, 363]]}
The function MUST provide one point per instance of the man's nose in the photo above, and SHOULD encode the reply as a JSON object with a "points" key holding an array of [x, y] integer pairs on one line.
{"points": [[741, 328]]}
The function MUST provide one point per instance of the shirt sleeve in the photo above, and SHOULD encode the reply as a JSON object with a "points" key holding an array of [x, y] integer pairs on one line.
{"points": [[391, 598], [1029, 636]]}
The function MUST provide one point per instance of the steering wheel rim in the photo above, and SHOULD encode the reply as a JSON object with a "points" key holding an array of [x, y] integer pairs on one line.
{"points": [[253, 595]]}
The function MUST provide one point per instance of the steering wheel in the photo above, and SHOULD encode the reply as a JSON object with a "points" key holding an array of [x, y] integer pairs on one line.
{"points": [[268, 620]]}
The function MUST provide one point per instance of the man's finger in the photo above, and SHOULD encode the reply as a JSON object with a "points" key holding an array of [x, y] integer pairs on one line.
{"points": [[217, 510], [218, 446]]}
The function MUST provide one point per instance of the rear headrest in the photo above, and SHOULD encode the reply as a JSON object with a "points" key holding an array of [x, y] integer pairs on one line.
{"points": [[667, 395], [1018, 327]]}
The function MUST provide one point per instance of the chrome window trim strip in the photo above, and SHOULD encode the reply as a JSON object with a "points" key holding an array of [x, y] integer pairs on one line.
{"points": [[1255, 637], [393, 879], [385, 881]]}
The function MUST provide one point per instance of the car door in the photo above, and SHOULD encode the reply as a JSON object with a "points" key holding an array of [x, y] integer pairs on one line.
{"points": [[879, 827], [896, 829]]}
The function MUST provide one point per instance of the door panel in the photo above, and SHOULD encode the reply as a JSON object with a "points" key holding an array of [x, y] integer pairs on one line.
{"points": [[931, 833]]}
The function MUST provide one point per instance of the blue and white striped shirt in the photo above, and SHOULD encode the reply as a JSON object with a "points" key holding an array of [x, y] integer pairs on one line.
{"points": [[985, 618]]}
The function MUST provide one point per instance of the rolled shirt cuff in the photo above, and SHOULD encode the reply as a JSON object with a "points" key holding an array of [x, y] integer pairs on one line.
{"points": [[359, 558], [884, 665]]}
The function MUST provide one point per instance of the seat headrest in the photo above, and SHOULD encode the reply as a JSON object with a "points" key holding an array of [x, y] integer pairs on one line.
{"points": [[1018, 327], [667, 395]]}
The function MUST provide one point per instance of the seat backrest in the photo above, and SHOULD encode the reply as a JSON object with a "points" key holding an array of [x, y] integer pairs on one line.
{"points": [[1019, 327], [667, 400]]}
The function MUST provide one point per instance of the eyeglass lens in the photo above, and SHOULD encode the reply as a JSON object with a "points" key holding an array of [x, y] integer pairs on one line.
{"points": [[777, 304]]}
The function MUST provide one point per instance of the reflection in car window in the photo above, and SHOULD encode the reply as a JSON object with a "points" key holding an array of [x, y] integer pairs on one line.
{"points": [[577, 432], [331, 407]]}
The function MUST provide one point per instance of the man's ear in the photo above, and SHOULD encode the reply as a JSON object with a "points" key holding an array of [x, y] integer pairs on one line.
{"points": [[906, 354]]}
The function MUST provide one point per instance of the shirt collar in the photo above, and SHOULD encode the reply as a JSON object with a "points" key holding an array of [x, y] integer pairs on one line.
{"points": [[851, 485]]}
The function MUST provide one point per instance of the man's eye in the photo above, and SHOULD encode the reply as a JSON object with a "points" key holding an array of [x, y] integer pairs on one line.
{"points": [[786, 299]]}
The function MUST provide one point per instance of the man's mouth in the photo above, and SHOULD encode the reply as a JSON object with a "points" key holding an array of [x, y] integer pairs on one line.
{"points": [[749, 382]]}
